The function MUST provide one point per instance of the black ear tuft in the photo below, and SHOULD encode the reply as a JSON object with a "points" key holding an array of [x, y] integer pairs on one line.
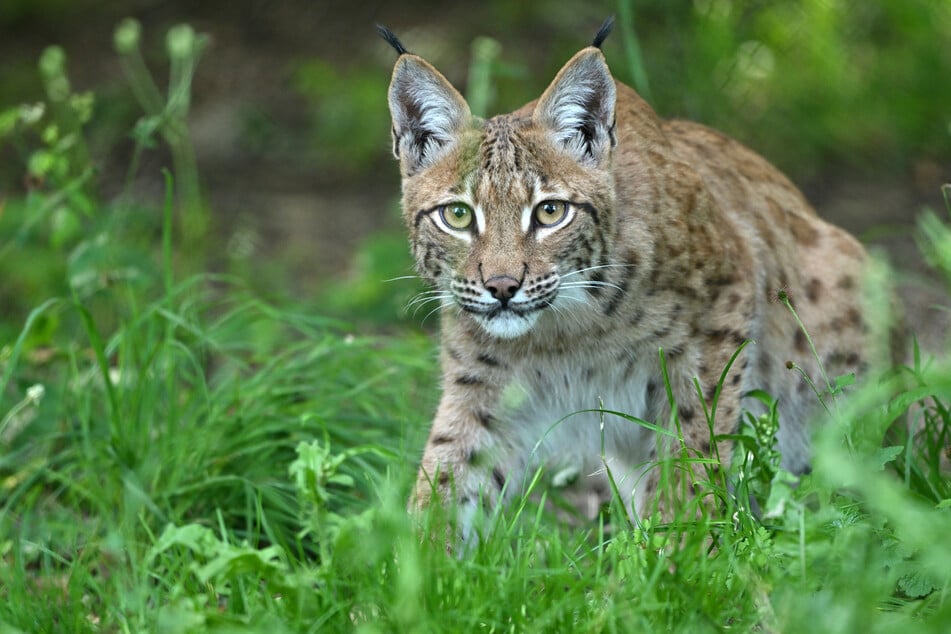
{"points": [[577, 108], [603, 32], [390, 37]]}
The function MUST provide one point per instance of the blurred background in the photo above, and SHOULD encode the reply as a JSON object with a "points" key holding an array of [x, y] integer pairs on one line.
{"points": [[298, 193]]}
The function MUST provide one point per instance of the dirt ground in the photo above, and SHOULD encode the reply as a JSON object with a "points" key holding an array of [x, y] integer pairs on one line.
{"points": [[284, 205]]}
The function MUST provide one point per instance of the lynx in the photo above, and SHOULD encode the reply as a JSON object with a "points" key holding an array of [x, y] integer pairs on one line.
{"points": [[574, 242]]}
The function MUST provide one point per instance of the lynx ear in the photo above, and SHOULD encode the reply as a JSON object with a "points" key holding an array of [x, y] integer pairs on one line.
{"points": [[578, 108], [428, 113]]}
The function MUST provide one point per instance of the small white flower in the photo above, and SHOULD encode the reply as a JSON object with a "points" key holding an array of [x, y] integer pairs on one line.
{"points": [[35, 393]]}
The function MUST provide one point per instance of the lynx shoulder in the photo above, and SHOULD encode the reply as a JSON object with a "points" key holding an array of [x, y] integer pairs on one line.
{"points": [[572, 241]]}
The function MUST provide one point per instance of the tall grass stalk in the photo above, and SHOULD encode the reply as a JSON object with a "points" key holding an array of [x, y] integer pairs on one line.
{"points": [[485, 53], [168, 116], [632, 50]]}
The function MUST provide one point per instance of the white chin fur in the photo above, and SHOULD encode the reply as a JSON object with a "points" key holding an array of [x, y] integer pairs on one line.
{"points": [[508, 325]]}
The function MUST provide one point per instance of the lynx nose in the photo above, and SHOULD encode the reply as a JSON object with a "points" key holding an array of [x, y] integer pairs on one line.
{"points": [[502, 287]]}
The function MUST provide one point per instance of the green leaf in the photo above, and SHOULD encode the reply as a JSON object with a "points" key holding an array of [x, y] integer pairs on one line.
{"points": [[916, 585], [243, 560], [780, 492], [844, 380], [65, 227], [8, 121], [198, 539], [184, 615], [883, 456]]}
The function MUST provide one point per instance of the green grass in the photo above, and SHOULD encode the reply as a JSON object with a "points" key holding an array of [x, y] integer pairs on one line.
{"points": [[179, 455], [219, 464]]}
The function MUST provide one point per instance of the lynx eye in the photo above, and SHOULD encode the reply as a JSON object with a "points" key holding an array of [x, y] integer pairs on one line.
{"points": [[550, 212], [456, 215]]}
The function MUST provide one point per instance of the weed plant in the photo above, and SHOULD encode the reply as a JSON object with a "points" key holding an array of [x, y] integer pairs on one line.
{"points": [[177, 455]]}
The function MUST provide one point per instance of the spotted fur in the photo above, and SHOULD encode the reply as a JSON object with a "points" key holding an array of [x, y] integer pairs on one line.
{"points": [[676, 238]]}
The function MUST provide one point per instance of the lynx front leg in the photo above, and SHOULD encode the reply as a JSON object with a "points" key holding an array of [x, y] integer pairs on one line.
{"points": [[457, 466], [461, 464], [450, 468]]}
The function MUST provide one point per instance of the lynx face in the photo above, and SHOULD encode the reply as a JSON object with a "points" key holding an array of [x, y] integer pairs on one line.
{"points": [[510, 217]]}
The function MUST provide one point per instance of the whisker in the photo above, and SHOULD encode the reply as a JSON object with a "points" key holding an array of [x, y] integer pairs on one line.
{"points": [[577, 299], [576, 283], [427, 294], [435, 310], [590, 284], [557, 309], [424, 298], [403, 277], [421, 304], [594, 268], [563, 313], [431, 292], [428, 300]]}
